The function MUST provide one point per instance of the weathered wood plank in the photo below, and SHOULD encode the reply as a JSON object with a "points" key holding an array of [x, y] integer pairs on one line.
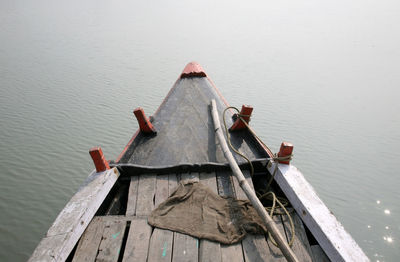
{"points": [[161, 240], [209, 251], [275, 252], [210, 180], [72, 221], [146, 191], [318, 254], [232, 253], [160, 245], [186, 248], [172, 183], [132, 196], [256, 249], [189, 177], [330, 234], [110, 245], [301, 246], [90, 241], [240, 194], [137, 244], [224, 183], [161, 189]]}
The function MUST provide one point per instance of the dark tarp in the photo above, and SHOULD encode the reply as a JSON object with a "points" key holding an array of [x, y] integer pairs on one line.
{"points": [[195, 210]]}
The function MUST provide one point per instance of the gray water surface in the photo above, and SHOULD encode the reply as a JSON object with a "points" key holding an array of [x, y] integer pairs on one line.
{"points": [[321, 74]]}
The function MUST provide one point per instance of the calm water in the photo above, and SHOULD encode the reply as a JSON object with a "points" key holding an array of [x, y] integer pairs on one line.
{"points": [[321, 74]]}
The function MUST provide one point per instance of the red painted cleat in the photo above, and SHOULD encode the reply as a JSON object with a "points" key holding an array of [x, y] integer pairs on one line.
{"points": [[286, 150], [193, 69], [245, 114], [99, 160], [144, 123]]}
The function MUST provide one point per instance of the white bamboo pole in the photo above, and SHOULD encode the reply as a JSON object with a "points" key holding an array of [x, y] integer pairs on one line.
{"points": [[269, 223]]}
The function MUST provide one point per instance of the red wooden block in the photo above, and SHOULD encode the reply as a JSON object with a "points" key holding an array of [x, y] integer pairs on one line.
{"points": [[144, 123], [193, 69], [285, 150], [246, 114], [99, 160]]}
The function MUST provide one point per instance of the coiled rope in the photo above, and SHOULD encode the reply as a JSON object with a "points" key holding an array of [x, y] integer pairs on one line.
{"points": [[268, 195]]}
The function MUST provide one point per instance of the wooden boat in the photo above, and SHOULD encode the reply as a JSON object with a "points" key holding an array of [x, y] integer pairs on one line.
{"points": [[106, 220]]}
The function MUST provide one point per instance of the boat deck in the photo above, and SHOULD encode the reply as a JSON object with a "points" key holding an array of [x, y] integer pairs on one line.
{"points": [[185, 130], [129, 238]]}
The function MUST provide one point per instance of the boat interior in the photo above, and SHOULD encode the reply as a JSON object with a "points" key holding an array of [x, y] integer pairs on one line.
{"points": [[184, 149]]}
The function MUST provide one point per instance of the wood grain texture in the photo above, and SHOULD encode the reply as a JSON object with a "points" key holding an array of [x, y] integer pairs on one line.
{"points": [[72, 221], [89, 243], [161, 189], [132, 196], [300, 246], [275, 252], [256, 249], [138, 241], [186, 248], [160, 245], [232, 253], [110, 245], [161, 240], [225, 188], [225, 184], [146, 192], [209, 251]]}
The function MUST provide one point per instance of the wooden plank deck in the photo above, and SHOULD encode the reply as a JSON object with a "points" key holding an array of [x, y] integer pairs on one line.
{"points": [[104, 239]]}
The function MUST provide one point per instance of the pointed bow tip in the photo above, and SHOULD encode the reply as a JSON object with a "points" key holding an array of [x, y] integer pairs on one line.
{"points": [[193, 69]]}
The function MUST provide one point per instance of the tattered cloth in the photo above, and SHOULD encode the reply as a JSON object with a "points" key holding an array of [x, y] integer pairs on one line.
{"points": [[195, 210]]}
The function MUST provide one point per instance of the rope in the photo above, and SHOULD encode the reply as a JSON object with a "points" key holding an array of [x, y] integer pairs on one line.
{"points": [[282, 202]]}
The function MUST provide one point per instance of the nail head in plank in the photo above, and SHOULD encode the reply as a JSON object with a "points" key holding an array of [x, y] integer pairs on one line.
{"points": [[186, 248], [110, 245], [160, 245], [301, 246], [138, 241], [132, 196], [146, 191], [89, 243]]}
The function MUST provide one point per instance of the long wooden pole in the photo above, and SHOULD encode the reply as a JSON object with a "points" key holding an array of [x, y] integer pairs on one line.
{"points": [[269, 223]]}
